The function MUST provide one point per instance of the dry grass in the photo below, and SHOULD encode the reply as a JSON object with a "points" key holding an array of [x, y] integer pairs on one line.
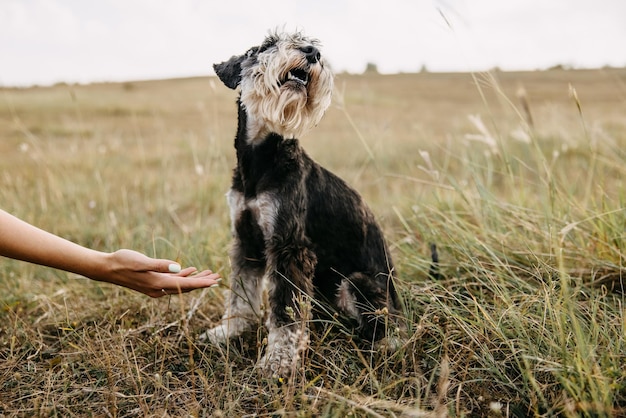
{"points": [[518, 178]]}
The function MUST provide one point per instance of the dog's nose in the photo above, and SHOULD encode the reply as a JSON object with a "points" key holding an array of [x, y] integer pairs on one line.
{"points": [[311, 53]]}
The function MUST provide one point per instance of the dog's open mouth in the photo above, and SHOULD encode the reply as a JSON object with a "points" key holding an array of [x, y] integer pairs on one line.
{"points": [[297, 77]]}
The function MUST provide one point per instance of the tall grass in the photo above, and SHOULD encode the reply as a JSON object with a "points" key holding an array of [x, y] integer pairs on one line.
{"points": [[522, 194]]}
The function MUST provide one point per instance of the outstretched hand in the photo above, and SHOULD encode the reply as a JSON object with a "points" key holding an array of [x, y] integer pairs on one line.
{"points": [[154, 277]]}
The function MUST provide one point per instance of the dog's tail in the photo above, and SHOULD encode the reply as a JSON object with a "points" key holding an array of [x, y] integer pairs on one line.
{"points": [[433, 272]]}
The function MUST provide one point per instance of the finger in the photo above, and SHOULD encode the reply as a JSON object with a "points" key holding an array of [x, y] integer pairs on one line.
{"points": [[174, 268], [168, 266], [193, 283], [206, 274], [165, 266], [186, 271]]}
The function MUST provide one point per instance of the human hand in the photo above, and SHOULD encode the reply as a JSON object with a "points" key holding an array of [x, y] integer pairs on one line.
{"points": [[153, 277]]}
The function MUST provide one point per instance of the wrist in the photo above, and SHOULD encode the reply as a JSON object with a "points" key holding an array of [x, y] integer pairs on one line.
{"points": [[99, 266]]}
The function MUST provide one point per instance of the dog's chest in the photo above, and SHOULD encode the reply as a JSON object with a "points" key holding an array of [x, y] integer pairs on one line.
{"points": [[249, 213], [266, 165]]}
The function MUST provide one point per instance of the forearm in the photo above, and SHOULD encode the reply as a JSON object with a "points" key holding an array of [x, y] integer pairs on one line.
{"points": [[131, 269], [25, 242]]}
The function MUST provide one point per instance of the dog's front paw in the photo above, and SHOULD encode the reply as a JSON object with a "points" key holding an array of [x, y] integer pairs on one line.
{"points": [[215, 336], [225, 331], [279, 362], [284, 347]]}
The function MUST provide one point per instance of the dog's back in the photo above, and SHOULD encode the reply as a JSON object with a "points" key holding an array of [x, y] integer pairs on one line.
{"points": [[350, 248]]}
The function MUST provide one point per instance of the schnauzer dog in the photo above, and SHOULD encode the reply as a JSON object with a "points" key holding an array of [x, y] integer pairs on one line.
{"points": [[299, 231]]}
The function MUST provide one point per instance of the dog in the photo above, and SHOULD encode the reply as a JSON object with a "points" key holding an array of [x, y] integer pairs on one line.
{"points": [[299, 231]]}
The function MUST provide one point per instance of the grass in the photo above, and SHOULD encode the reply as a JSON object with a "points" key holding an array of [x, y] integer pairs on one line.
{"points": [[517, 177]]}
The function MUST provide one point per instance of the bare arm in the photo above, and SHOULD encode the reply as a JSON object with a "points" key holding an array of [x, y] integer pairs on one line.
{"points": [[153, 277]]}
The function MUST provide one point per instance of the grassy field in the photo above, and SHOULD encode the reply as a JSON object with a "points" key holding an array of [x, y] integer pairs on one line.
{"points": [[519, 178]]}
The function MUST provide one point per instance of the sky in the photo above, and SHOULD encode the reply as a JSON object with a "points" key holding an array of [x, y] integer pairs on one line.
{"points": [[48, 41]]}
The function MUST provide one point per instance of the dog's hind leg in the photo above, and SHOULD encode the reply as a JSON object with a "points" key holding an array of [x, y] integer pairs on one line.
{"points": [[290, 287], [371, 302]]}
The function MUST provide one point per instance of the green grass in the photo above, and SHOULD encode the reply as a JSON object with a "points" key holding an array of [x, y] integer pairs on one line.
{"points": [[523, 194]]}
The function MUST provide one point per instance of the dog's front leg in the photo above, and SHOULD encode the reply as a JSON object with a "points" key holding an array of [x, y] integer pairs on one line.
{"points": [[241, 310], [290, 288], [242, 304]]}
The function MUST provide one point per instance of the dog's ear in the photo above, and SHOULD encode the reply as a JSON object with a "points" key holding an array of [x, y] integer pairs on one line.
{"points": [[230, 71]]}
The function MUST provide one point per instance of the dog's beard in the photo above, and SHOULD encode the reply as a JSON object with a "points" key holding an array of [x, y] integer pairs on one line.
{"points": [[274, 103]]}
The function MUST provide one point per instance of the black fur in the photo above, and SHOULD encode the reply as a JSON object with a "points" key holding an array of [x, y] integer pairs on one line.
{"points": [[433, 272], [324, 233], [229, 72]]}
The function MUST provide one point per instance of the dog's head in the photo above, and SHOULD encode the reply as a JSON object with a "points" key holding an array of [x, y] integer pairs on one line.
{"points": [[286, 85]]}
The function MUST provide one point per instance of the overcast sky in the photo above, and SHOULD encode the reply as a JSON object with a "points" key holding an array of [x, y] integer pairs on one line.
{"points": [[48, 41]]}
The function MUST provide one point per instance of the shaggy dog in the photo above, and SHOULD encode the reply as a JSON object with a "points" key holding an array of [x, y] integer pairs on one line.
{"points": [[299, 232]]}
